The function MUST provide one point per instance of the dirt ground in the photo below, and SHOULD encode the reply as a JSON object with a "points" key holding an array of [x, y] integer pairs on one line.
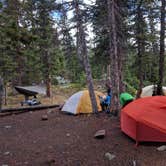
{"points": [[66, 140]]}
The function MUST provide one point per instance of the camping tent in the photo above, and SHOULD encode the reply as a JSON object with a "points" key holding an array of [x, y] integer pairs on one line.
{"points": [[80, 103], [145, 119], [148, 90]]}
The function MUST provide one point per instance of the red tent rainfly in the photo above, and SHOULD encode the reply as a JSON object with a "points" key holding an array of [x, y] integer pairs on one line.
{"points": [[145, 119]]}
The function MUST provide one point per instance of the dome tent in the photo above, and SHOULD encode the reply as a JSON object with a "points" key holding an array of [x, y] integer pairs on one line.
{"points": [[80, 103], [148, 90], [145, 119]]}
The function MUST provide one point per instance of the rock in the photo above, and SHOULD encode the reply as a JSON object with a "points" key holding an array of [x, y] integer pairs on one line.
{"points": [[6, 153], [100, 134], [34, 142], [4, 165], [44, 117], [109, 156], [8, 127], [26, 162], [161, 148], [50, 147], [68, 134], [37, 152]]}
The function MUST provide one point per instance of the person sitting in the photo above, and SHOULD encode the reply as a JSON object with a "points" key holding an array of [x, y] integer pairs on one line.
{"points": [[105, 102], [125, 98]]}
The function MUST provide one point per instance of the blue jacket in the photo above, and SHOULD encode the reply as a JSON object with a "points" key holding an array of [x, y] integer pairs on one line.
{"points": [[108, 99]]}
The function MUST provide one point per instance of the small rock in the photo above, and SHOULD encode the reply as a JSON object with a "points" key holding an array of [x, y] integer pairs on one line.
{"points": [[50, 147], [8, 127], [44, 117], [161, 148], [109, 156], [4, 165], [68, 134], [26, 162], [6, 153], [37, 152], [100, 134]]}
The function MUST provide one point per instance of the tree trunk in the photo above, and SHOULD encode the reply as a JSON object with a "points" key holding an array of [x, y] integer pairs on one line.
{"points": [[5, 94], [83, 55], [48, 86], [90, 84], [162, 47], [108, 71], [46, 62], [140, 48], [1, 93], [113, 54], [154, 45]]}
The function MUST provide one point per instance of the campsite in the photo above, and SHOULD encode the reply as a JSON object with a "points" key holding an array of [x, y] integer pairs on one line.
{"points": [[82, 83], [63, 139]]}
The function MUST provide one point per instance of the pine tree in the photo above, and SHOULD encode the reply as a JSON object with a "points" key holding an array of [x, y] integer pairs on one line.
{"points": [[67, 43], [82, 51], [116, 44], [101, 39], [44, 31]]}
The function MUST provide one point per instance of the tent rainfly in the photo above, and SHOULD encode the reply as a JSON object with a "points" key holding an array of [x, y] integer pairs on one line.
{"points": [[148, 90], [145, 119], [80, 103]]}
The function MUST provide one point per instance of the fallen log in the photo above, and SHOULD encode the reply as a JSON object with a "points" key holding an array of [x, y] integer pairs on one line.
{"points": [[9, 111]]}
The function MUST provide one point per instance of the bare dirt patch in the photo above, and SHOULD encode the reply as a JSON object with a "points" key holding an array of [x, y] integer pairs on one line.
{"points": [[66, 140]]}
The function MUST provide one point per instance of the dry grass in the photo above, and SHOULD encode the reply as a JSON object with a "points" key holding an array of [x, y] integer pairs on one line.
{"points": [[59, 95]]}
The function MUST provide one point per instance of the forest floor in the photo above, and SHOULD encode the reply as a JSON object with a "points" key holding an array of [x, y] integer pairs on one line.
{"points": [[66, 140]]}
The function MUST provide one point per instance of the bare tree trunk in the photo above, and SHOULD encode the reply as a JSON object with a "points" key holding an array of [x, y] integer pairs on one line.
{"points": [[162, 49], [48, 85], [140, 48], [1, 93], [113, 54], [5, 94], [155, 50], [46, 62], [122, 41], [122, 87], [108, 71], [20, 67], [83, 55]]}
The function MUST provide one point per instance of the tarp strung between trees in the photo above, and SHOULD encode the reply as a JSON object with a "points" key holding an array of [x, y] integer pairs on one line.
{"points": [[31, 90]]}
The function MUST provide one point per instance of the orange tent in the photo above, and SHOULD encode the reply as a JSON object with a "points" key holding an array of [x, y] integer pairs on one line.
{"points": [[145, 119]]}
